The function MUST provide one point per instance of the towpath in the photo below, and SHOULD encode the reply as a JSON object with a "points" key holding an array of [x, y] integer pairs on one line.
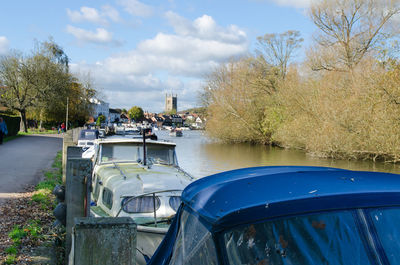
{"points": [[23, 160]]}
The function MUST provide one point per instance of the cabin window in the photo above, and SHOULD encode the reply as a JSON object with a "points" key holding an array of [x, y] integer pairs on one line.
{"points": [[175, 202], [107, 198], [144, 204], [327, 238], [387, 223], [194, 244]]}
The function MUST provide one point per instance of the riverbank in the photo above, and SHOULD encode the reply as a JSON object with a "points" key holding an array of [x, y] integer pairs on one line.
{"points": [[328, 114], [27, 234]]}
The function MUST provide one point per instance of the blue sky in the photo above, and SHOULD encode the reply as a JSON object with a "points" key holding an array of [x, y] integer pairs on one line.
{"points": [[136, 51]]}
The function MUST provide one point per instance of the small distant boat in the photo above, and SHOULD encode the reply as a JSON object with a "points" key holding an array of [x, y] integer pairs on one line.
{"points": [[132, 131], [87, 137], [176, 133]]}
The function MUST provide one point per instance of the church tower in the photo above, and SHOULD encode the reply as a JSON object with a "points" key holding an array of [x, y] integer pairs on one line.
{"points": [[171, 102]]}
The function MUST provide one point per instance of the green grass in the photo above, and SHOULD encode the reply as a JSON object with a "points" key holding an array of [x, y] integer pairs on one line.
{"points": [[16, 235], [33, 229], [46, 185], [58, 161], [11, 259], [37, 131], [11, 250], [9, 138], [30, 132]]}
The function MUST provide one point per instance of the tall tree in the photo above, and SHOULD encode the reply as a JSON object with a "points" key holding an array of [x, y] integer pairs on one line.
{"points": [[278, 49], [349, 29], [18, 92], [41, 83], [136, 113]]}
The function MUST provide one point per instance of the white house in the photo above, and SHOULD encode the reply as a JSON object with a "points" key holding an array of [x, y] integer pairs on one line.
{"points": [[199, 123], [100, 108]]}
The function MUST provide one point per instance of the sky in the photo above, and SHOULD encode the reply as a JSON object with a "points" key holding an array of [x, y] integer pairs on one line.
{"points": [[136, 51]]}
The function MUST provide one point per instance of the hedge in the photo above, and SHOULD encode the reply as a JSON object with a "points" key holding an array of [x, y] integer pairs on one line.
{"points": [[12, 123]]}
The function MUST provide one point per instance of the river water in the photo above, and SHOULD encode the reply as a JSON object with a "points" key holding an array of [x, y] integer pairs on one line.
{"points": [[200, 156]]}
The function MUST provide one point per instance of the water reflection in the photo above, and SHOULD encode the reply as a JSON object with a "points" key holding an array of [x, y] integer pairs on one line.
{"points": [[202, 157]]}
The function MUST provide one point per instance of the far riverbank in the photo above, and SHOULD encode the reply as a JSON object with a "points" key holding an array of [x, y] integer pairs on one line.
{"points": [[201, 156]]}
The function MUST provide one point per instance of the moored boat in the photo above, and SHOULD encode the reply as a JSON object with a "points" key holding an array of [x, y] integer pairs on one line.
{"points": [[144, 183], [176, 133], [286, 215]]}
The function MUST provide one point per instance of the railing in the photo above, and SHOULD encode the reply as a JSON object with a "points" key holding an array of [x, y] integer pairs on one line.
{"points": [[145, 194]]}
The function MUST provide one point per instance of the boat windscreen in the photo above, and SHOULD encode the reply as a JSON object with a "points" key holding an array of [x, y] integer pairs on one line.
{"points": [[161, 154], [156, 153], [89, 135], [311, 239], [120, 152]]}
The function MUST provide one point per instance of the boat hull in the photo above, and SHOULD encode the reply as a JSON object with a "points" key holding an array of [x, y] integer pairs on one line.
{"points": [[148, 239]]}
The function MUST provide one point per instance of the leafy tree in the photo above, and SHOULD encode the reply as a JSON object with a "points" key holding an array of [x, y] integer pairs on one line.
{"points": [[38, 85], [136, 113], [18, 92], [101, 119], [172, 112]]}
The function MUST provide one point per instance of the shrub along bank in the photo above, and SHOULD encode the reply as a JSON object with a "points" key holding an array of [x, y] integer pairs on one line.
{"points": [[342, 101], [344, 115]]}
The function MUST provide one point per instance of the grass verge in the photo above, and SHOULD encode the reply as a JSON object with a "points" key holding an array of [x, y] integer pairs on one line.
{"points": [[9, 138], [38, 131], [30, 132], [31, 219]]}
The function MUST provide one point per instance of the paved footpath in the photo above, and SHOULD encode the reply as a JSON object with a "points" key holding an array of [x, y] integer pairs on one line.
{"points": [[23, 161]]}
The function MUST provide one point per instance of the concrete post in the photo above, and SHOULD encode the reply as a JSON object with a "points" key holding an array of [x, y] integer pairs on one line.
{"points": [[105, 240], [67, 141], [77, 197]]}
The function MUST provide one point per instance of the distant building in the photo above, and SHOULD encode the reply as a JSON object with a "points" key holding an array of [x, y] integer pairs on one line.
{"points": [[176, 119], [171, 102], [100, 108], [124, 118], [115, 115]]}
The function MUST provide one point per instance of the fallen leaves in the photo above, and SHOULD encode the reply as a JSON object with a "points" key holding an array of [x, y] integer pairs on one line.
{"points": [[19, 211]]}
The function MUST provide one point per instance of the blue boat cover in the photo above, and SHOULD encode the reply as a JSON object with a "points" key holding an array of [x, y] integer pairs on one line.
{"points": [[233, 197]]}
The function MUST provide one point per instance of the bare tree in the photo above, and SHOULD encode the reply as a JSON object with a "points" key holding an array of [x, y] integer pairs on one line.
{"points": [[278, 49], [349, 29]]}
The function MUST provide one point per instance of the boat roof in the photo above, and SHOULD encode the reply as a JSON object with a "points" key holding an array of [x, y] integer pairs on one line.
{"points": [[245, 195], [88, 134], [133, 141], [140, 179]]}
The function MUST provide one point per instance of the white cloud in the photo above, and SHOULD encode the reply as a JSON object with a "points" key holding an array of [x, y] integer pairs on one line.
{"points": [[89, 14], [205, 27], [293, 3], [166, 62], [110, 12], [100, 36], [4, 45], [136, 8]]}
